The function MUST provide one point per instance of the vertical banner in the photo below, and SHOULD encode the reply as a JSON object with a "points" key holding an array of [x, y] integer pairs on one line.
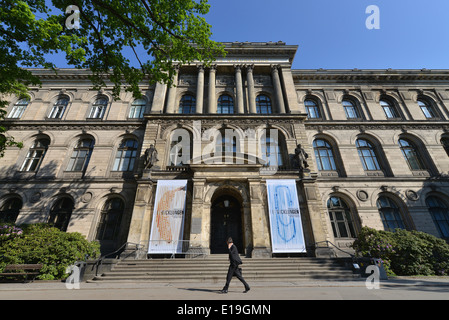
{"points": [[168, 217], [285, 218]]}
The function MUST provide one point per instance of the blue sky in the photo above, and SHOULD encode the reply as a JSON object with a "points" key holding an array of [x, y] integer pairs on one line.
{"points": [[331, 34]]}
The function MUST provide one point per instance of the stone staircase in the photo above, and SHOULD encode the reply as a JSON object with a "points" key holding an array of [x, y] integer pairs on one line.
{"points": [[214, 268]]}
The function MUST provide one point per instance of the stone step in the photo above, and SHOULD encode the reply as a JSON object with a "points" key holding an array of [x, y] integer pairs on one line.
{"points": [[214, 269]]}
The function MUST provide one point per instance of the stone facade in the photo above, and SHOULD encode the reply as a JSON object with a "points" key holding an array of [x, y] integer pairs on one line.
{"points": [[377, 143]]}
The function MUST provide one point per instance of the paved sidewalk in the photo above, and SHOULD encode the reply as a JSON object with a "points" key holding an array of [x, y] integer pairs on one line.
{"points": [[401, 288]]}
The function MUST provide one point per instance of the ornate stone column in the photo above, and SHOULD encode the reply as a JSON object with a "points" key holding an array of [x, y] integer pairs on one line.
{"points": [[278, 89], [200, 90], [212, 105], [239, 88], [171, 103], [251, 94]]}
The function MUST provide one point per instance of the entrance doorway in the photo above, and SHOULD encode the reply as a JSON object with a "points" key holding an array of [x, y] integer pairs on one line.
{"points": [[226, 221]]}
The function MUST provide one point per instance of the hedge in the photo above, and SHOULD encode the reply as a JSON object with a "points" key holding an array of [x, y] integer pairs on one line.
{"points": [[404, 252], [44, 244]]}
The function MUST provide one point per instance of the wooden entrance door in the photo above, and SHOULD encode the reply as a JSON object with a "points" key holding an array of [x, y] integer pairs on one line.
{"points": [[226, 221]]}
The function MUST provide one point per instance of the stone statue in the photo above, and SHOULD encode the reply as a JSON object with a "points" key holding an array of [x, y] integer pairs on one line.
{"points": [[150, 157], [301, 157]]}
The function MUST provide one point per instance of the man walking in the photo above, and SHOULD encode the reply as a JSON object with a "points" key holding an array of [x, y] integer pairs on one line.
{"points": [[234, 262]]}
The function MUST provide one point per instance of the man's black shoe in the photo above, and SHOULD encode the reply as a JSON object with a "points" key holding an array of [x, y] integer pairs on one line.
{"points": [[224, 291], [246, 290]]}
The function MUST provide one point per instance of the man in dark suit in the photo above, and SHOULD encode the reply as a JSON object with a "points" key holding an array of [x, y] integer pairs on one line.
{"points": [[234, 262]]}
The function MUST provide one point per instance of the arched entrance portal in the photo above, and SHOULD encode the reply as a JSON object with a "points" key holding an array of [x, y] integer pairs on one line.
{"points": [[226, 221]]}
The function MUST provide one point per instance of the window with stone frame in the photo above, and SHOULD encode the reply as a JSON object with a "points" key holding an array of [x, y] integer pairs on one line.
{"points": [[341, 218], [81, 154], [35, 155], [126, 155], [59, 107], [19, 108]]}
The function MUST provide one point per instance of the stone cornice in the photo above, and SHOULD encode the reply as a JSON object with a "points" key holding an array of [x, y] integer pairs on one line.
{"points": [[376, 76]]}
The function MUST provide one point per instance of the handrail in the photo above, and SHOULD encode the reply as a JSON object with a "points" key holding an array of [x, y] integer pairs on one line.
{"points": [[327, 242], [99, 261]]}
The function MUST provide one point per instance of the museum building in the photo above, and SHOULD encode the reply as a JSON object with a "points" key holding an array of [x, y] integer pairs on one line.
{"points": [[282, 160]]}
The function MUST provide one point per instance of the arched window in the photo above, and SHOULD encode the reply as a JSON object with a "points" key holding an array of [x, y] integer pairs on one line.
{"points": [[389, 109], [228, 143], [60, 213], [126, 155], [427, 108], [10, 210], [225, 104], [341, 218], [367, 155], [263, 104], [390, 214], [350, 109], [137, 109], [272, 145], [59, 107], [81, 155], [187, 104], [324, 155], [440, 214], [110, 219], [19, 108], [98, 108], [35, 155], [411, 154], [312, 109]]}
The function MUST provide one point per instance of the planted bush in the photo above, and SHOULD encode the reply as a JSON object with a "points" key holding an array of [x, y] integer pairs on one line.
{"points": [[405, 252], [41, 243]]}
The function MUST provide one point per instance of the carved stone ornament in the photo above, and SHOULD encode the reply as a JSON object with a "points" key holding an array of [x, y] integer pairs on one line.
{"points": [[411, 195], [362, 195]]}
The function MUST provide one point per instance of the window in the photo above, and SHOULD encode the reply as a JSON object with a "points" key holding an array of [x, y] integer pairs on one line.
{"points": [[111, 217], [312, 109], [389, 109], [126, 156], [341, 218], [427, 108], [411, 154], [10, 210], [263, 104], [35, 155], [98, 108], [445, 142], [390, 214], [137, 109], [60, 213], [187, 104], [59, 107], [225, 104], [19, 108], [270, 148], [324, 155], [350, 109], [81, 155], [440, 214], [367, 155]]}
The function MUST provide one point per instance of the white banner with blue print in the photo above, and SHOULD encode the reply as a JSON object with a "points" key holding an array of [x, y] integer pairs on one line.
{"points": [[285, 217]]}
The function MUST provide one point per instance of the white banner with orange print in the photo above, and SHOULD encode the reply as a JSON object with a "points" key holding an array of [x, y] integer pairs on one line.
{"points": [[168, 217]]}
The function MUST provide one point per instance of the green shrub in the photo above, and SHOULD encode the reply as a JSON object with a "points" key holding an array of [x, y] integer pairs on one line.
{"points": [[41, 243], [405, 252]]}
